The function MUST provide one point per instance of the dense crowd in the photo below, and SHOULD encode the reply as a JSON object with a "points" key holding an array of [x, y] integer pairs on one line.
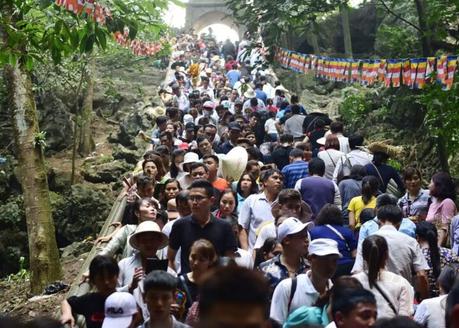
{"points": [[247, 210]]}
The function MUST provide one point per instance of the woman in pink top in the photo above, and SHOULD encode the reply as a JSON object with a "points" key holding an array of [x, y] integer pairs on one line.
{"points": [[442, 209]]}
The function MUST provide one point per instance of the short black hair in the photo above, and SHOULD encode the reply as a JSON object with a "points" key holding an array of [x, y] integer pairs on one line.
{"points": [[143, 181], [182, 196], [316, 166], [196, 165], [253, 101], [295, 109], [295, 153], [201, 139], [158, 279], [385, 199], [391, 213], [166, 134], [204, 184], [286, 138], [350, 298], [233, 284], [397, 322], [329, 214], [214, 157], [336, 127], [161, 120], [103, 264], [266, 174], [355, 141]]}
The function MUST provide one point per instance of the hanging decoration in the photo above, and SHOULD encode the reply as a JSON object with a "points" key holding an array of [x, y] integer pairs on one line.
{"points": [[414, 73], [100, 14]]}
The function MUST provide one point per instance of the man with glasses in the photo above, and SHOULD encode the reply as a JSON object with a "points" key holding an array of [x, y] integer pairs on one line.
{"points": [[200, 224]]}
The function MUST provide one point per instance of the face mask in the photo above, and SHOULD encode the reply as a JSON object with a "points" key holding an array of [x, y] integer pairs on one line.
{"points": [[206, 113]]}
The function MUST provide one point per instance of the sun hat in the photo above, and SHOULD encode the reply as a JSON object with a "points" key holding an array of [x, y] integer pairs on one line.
{"points": [[321, 141], [172, 212], [233, 164], [323, 247], [226, 104], [148, 226], [384, 147], [208, 104], [190, 157], [190, 126], [249, 94], [187, 118], [119, 309], [306, 315], [290, 226]]}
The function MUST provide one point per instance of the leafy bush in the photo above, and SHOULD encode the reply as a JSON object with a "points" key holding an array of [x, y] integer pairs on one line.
{"points": [[353, 107]]}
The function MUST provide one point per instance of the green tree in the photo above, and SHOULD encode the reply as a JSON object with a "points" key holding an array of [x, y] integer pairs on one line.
{"points": [[29, 29]]}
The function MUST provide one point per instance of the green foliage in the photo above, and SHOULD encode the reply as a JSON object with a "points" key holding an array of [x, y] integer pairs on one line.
{"points": [[22, 274], [40, 140], [397, 42], [354, 107], [442, 117], [12, 213]]}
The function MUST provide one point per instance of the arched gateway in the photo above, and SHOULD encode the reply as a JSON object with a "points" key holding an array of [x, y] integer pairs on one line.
{"points": [[201, 13]]}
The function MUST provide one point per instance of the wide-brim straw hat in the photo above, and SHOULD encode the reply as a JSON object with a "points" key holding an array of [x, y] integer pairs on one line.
{"points": [[234, 163], [384, 147], [159, 111], [150, 227], [250, 94]]}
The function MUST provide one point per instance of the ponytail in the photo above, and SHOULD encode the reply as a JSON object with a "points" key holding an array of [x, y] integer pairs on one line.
{"points": [[374, 252], [370, 186], [427, 232]]}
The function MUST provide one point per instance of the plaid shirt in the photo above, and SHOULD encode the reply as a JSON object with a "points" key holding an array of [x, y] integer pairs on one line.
{"points": [[294, 172], [418, 206], [275, 271]]}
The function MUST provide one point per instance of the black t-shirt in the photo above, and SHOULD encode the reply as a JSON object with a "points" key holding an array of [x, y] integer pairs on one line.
{"points": [[186, 231], [190, 288], [91, 306]]}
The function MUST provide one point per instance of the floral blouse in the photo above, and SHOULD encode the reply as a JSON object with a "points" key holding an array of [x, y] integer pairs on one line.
{"points": [[447, 256]]}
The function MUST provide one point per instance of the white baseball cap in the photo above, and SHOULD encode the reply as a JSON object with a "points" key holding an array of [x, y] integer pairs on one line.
{"points": [[119, 309], [290, 226], [323, 247]]}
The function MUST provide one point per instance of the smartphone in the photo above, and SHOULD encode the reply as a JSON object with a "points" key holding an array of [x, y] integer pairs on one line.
{"points": [[155, 264]]}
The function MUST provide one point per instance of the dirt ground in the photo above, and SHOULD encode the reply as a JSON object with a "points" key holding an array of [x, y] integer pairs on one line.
{"points": [[16, 300]]}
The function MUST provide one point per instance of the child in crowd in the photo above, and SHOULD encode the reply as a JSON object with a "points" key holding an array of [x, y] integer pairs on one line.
{"points": [[103, 274]]}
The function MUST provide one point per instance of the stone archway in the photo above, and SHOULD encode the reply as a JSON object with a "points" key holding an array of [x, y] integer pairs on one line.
{"points": [[202, 13]]}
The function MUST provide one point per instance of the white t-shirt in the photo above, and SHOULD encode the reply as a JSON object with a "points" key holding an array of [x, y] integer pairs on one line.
{"points": [[431, 312], [270, 126], [305, 295], [331, 158], [397, 289]]}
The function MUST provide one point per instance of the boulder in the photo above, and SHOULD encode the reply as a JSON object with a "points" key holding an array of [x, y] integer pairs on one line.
{"points": [[76, 249], [57, 122], [128, 155], [104, 169]]}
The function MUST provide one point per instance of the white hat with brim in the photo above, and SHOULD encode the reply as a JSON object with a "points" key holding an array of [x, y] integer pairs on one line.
{"points": [[323, 247], [148, 227], [290, 226], [321, 141], [190, 157], [234, 163], [119, 309], [250, 94]]}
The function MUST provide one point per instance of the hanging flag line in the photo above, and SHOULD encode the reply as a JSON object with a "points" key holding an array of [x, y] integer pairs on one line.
{"points": [[412, 72], [100, 14]]}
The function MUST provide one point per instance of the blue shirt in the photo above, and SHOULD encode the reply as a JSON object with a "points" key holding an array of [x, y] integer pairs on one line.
{"points": [[294, 172], [260, 94], [370, 227], [345, 246], [233, 76]]}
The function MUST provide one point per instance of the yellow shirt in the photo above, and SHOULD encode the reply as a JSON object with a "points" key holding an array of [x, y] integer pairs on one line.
{"points": [[356, 206]]}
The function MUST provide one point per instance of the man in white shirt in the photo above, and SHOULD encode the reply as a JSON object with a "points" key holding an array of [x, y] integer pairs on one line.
{"points": [[180, 98], [323, 258], [257, 208], [355, 157], [405, 254], [337, 129]]}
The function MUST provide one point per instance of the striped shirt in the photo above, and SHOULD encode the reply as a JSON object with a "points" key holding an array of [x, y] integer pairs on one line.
{"points": [[294, 172]]}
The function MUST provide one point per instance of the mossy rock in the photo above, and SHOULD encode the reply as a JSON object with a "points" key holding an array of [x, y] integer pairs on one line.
{"points": [[100, 171]]}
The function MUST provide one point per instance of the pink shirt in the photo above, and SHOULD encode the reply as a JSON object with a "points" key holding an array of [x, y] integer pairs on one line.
{"points": [[444, 210]]}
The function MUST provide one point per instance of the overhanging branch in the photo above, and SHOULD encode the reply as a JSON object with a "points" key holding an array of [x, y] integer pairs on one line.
{"points": [[390, 11]]}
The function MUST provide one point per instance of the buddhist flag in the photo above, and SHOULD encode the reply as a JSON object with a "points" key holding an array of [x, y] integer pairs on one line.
{"points": [[388, 75], [382, 70], [396, 73], [430, 69], [61, 2], [89, 7], [441, 69], [355, 74], [414, 70], [420, 81], [406, 68], [450, 71]]}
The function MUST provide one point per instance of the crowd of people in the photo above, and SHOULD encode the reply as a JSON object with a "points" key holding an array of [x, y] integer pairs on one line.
{"points": [[247, 210]]}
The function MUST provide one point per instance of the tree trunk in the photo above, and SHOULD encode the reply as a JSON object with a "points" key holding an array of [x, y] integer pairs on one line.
{"points": [[426, 32], [344, 12], [44, 256], [312, 38], [86, 145]]}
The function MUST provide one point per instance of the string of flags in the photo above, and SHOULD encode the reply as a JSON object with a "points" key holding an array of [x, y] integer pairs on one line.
{"points": [[413, 72], [100, 14]]}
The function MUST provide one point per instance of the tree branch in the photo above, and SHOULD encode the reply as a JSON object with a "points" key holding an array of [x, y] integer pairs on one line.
{"points": [[390, 11]]}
